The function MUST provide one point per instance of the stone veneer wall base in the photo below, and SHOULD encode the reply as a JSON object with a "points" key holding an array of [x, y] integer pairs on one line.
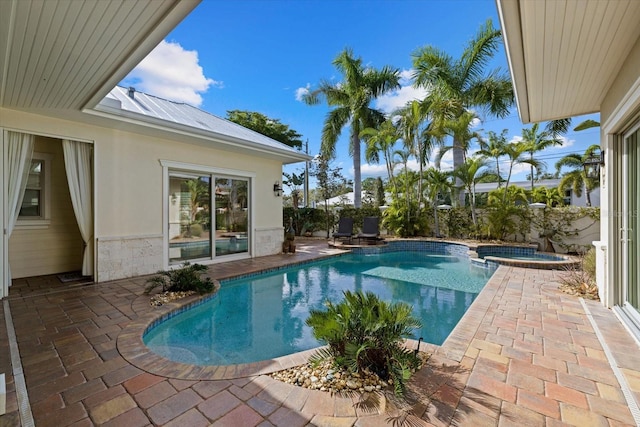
{"points": [[128, 256]]}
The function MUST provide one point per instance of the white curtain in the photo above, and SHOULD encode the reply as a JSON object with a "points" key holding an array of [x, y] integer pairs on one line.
{"points": [[78, 165], [19, 154]]}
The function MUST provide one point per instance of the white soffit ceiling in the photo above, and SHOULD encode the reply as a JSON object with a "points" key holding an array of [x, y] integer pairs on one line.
{"points": [[565, 54], [68, 54]]}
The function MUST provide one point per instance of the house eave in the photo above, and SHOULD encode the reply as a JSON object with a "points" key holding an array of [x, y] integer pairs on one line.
{"points": [[175, 131]]}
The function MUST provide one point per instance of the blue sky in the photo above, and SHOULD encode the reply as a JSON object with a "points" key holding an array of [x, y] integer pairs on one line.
{"points": [[259, 55]]}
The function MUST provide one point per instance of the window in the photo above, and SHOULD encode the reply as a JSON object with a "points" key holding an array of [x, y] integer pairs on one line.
{"points": [[35, 208], [208, 212]]}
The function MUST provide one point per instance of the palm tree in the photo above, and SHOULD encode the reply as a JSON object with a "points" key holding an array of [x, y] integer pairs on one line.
{"points": [[515, 151], [538, 141], [415, 133], [576, 178], [438, 183], [494, 149], [458, 85], [351, 98], [382, 140], [469, 174], [460, 129]]}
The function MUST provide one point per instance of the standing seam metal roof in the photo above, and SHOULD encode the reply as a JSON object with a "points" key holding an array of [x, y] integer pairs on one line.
{"points": [[187, 115]]}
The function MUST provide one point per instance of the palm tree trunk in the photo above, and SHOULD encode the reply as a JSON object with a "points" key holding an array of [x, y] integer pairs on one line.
{"points": [[458, 159], [435, 219], [357, 178]]}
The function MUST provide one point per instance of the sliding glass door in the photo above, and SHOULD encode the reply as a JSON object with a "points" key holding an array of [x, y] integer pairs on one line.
{"points": [[630, 227], [208, 216], [232, 219]]}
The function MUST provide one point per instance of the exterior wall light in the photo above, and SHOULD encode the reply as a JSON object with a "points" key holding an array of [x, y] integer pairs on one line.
{"points": [[277, 189], [592, 165]]}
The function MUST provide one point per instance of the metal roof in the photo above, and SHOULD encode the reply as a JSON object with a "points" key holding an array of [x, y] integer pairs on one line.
{"points": [[565, 54], [151, 110]]}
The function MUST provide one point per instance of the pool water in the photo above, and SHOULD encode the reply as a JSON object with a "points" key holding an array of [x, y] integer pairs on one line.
{"points": [[263, 317]]}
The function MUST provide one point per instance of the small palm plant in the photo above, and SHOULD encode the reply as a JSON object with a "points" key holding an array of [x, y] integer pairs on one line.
{"points": [[186, 278], [363, 332]]}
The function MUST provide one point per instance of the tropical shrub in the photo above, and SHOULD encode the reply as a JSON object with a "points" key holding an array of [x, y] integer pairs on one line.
{"points": [[459, 223], [363, 332], [358, 214], [589, 262], [306, 219], [401, 219], [195, 230], [186, 278]]}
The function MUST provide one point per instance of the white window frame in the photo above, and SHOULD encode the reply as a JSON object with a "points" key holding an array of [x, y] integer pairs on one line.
{"points": [[44, 220]]}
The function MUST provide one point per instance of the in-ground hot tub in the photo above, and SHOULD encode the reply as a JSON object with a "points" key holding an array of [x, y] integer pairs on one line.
{"points": [[524, 256]]}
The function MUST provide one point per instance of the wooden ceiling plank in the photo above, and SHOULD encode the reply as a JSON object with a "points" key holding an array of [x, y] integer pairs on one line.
{"points": [[82, 52], [124, 38]]}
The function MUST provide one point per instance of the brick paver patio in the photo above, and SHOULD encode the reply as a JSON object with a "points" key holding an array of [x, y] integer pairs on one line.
{"points": [[524, 354]]}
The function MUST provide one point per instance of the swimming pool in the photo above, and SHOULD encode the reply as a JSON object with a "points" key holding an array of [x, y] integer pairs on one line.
{"points": [[263, 317], [524, 256]]}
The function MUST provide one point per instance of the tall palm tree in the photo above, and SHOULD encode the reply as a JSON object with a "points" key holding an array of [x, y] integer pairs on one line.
{"points": [[413, 126], [438, 184], [494, 148], [350, 100], [469, 174], [538, 141], [515, 152], [576, 178], [382, 140], [459, 85], [459, 129]]}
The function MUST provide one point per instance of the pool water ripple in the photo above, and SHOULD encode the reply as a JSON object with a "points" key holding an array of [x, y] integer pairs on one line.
{"points": [[263, 317]]}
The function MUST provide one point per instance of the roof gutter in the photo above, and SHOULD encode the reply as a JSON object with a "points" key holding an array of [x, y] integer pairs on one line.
{"points": [[511, 24], [113, 113]]}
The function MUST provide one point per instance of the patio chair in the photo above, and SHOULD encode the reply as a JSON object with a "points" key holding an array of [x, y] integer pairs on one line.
{"points": [[345, 229], [370, 229]]}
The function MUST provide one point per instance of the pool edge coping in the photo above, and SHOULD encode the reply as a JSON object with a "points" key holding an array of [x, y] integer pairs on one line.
{"points": [[132, 348]]}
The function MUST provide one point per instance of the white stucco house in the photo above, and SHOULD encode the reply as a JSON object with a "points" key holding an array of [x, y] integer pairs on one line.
{"points": [[108, 180], [572, 57]]}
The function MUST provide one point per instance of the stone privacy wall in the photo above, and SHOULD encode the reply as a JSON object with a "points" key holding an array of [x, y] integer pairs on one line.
{"points": [[122, 257], [268, 241]]}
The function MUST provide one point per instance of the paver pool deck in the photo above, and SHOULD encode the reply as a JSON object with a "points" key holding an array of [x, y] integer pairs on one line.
{"points": [[524, 354]]}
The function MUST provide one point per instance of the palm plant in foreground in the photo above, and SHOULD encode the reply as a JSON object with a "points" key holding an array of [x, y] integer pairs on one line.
{"points": [[363, 332], [350, 100]]}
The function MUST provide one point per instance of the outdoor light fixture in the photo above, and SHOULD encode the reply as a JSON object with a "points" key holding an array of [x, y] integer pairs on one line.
{"points": [[277, 189], [592, 165]]}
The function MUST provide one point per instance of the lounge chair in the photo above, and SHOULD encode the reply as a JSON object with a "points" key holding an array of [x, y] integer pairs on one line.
{"points": [[370, 229], [345, 229]]}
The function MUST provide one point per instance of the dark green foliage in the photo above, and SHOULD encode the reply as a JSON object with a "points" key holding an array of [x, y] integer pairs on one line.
{"points": [[305, 219], [364, 332], [505, 219], [459, 223], [186, 278], [358, 214], [401, 219], [266, 126]]}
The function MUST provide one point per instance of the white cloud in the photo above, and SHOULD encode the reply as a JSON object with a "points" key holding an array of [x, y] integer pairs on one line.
{"points": [[301, 91], [373, 170], [400, 97], [172, 72]]}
